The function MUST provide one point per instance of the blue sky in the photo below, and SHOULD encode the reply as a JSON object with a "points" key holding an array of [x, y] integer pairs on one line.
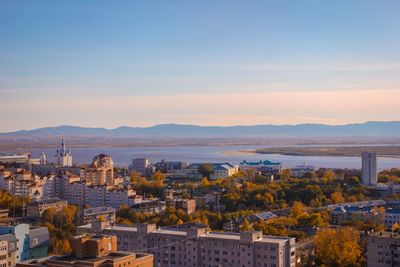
{"points": [[108, 63]]}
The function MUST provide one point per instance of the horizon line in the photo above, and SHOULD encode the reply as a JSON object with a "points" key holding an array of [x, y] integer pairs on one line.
{"points": [[198, 125]]}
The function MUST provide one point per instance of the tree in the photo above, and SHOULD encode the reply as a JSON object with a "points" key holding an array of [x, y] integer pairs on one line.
{"points": [[286, 174], [158, 176], [328, 177], [246, 226], [395, 227], [338, 247], [337, 197], [135, 177], [206, 169], [297, 209]]}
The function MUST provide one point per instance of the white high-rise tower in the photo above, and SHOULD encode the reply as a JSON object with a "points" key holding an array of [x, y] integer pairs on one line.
{"points": [[369, 170], [64, 157]]}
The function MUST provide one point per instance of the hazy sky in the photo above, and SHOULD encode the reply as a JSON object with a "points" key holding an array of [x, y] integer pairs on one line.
{"points": [[140, 63]]}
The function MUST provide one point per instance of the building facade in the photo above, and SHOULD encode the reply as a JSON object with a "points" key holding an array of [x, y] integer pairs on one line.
{"points": [[383, 249], [36, 208], [31, 242], [194, 245], [369, 170], [98, 213], [141, 166]]}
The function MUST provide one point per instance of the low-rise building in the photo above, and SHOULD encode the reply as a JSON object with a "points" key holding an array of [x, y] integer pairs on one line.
{"points": [[236, 224], [265, 167], [392, 216], [36, 208], [192, 244], [301, 170], [187, 205], [4, 215], [383, 249], [98, 213], [170, 166], [220, 170], [154, 206], [94, 251], [366, 213]]}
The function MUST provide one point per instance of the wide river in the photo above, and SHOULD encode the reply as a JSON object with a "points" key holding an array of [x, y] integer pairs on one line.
{"points": [[123, 155]]}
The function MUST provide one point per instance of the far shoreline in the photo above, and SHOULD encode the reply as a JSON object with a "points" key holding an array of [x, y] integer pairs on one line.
{"points": [[344, 151]]}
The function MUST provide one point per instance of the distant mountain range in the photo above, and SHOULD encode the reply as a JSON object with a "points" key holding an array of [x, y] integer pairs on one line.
{"points": [[368, 129]]}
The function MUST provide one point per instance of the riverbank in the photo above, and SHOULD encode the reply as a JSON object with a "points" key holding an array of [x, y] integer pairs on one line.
{"points": [[344, 151]]}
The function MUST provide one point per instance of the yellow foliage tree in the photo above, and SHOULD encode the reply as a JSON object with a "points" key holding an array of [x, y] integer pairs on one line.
{"points": [[337, 197], [62, 247], [246, 226], [328, 177], [297, 209], [158, 176], [338, 247], [395, 227]]}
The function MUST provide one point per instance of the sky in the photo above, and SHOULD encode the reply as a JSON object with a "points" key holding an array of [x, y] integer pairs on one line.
{"points": [[141, 63]]}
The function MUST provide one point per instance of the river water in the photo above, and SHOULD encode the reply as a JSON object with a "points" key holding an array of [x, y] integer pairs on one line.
{"points": [[122, 156]]}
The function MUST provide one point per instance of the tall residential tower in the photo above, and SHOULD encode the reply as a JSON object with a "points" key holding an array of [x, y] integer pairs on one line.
{"points": [[369, 171]]}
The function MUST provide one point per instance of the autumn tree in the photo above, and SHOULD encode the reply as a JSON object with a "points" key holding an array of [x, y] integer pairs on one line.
{"points": [[337, 197], [338, 247], [395, 227], [286, 174], [135, 177], [158, 176], [246, 226], [297, 209], [328, 177]]}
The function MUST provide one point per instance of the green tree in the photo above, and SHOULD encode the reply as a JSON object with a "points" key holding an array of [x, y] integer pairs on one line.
{"points": [[206, 169]]}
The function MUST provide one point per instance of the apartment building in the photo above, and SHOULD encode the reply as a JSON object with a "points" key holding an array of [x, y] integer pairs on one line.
{"points": [[141, 166], [192, 244], [81, 193], [369, 174], [8, 247], [30, 242], [94, 251], [100, 172], [383, 249]]}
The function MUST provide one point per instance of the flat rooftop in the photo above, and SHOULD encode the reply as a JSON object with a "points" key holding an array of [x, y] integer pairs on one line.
{"points": [[180, 230], [71, 258], [385, 234]]}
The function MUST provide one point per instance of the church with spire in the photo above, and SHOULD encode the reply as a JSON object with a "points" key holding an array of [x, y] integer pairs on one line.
{"points": [[64, 157]]}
